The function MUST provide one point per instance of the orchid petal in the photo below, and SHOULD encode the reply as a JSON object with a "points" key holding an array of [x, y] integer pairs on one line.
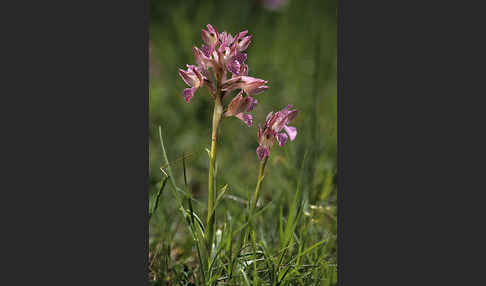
{"points": [[201, 59], [234, 105], [255, 90], [210, 36], [206, 50], [244, 70], [251, 103], [243, 43], [269, 117], [189, 93], [186, 77], [262, 152], [246, 118], [250, 85], [260, 134], [281, 138], [292, 131], [292, 114], [234, 67], [192, 77]]}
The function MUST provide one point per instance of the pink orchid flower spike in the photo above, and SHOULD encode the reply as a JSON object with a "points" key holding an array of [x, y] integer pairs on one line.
{"points": [[275, 123], [225, 55]]}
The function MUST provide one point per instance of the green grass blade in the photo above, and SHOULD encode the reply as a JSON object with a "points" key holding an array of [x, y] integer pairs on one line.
{"points": [[327, 187], [309, 249], [164, 153], [154, 203]]}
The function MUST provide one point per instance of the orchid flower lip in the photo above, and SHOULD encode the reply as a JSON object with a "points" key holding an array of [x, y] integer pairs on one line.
{"points": [[262, 152], [281, 138], [188, 93], [291, 131]]}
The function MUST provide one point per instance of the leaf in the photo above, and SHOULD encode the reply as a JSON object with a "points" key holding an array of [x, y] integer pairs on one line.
{"points": [[154, 200], [222, 191], [309, 249], [169, 169], [327, 188]]}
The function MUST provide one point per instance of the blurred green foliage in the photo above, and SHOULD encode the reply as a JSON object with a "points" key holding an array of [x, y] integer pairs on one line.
{"points": [[295, 49]]}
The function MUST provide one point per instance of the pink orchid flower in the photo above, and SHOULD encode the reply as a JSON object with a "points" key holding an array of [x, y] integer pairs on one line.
{"points": [[193, 78], [239, 107]]}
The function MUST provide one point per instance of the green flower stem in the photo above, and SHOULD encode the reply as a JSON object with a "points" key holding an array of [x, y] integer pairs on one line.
{"points": [[217, 116], [251, 229], [259, 184]]}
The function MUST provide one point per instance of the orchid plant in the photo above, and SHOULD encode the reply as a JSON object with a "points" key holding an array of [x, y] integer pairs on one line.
{"points": [[224, 55], [220, 66]]}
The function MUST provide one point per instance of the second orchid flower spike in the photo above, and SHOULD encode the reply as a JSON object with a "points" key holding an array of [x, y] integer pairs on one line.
{"points": [[271, 130]]}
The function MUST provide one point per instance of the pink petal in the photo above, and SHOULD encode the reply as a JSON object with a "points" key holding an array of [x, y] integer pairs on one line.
{"points": [[241, 34], [260, 134], [262, 152], [269, 116], [206, 51], [245, 117], [234, 67], [244, 70], [201, 59], [210, 36], [234, 105], [212, 29], [244, 43], [187, 76], [189, 93], [252, 102], [278, 121], [292, 131], [292, 114], [249, 84], [256, 91], [281, 138]]}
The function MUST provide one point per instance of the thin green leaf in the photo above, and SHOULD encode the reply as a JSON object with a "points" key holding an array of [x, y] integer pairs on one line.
{"points": [[154, 203]]}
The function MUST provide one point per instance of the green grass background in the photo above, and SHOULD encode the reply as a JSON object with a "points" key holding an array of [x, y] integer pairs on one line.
{"points": [[295, 49]]}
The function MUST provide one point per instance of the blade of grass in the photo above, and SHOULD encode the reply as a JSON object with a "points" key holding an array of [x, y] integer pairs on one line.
{"points": [[238, 230], [184, 167], [154, 204], [293, 213], [169, 169], [244, 276], [197, 242], [327, 187], [308, 250], [218, 199]]}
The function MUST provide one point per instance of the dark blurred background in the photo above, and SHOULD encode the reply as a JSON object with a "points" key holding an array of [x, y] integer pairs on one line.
{"points": [[294, 47]]}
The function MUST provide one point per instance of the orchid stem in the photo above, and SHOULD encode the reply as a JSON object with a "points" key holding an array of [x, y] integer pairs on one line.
{"points": [[263, 163], [217, 115], [251, 229]]}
